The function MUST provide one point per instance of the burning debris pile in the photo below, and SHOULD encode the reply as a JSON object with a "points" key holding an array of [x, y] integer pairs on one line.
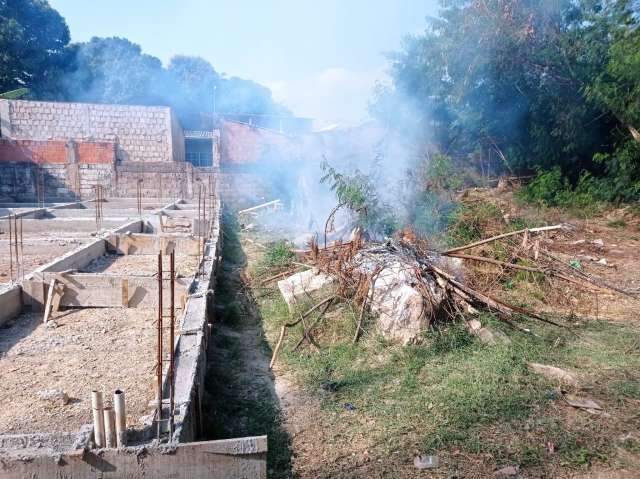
{"points": [[408, 286]]}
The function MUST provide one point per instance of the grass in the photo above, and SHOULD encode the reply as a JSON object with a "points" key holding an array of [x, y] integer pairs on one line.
{"points": [[454, 393], [619, 223]]}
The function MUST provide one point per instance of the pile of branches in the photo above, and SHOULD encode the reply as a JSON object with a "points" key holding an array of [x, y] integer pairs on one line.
{"points": [[439, 281], [524, 251]]}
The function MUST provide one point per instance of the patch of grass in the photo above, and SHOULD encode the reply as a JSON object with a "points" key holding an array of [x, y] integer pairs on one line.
{"points": [[619, 223], [470, 222]]}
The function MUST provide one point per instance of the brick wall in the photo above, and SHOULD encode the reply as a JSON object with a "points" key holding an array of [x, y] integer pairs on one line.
{"points": [[242, 144], [56, 152], [140, 133]]}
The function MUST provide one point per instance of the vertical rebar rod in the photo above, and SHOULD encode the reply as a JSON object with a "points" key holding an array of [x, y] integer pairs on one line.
{"points": [[199, 225], [172, 276], [10, 249], [15, 245], [21, 251], [159, 349]]}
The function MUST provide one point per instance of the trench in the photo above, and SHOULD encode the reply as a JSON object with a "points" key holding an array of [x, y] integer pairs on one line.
{"points": [[240, 398]]}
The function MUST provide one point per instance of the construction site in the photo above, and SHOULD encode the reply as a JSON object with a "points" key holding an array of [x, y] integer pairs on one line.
{"points": [[319, 240]]}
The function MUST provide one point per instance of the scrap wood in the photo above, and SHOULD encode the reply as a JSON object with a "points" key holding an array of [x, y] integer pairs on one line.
{"points": [[317, 320], [589, 278], [259, 207], [505, 235], [546, 271], [295, 323], [277, 276], [488, 301]]}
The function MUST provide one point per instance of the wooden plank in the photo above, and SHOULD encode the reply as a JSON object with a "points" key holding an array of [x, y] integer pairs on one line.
{"points": [[101, 290], [57, 297], [125, 292], [230, 458], [47, 307]]}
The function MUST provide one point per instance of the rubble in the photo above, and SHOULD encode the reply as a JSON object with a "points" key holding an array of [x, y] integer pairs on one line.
{"points": [[309, 284], [554, 373]]}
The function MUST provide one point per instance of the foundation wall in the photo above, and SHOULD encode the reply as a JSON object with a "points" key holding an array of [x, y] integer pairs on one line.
{"points": [[21, 181]]}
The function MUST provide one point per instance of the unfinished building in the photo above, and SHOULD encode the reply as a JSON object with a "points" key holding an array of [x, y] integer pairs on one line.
{"points": [[110, 244]]}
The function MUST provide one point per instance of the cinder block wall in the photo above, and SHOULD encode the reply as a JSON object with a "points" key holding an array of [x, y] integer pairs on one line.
{"points": [[141, 133], [19, 181]]}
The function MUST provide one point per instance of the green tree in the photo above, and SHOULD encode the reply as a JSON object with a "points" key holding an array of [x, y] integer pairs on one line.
{"points": [[33, 41], [114, 70]]}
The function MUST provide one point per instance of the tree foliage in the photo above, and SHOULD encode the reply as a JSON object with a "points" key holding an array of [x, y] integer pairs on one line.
{"points": [[35, 53], [536, 84], [33, 41]]}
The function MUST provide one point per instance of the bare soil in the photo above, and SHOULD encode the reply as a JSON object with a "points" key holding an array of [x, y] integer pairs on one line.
{"points": [[103, 349], [146, 264]]}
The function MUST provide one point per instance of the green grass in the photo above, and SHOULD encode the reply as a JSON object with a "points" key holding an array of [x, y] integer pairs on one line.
{"points": [[454, 392], [619, 223]]}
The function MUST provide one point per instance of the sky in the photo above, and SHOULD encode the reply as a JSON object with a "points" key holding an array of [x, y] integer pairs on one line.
{"points": [[321, 58]]}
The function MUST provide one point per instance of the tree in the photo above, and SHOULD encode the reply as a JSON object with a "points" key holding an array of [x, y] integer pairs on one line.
{"points": [[114, 70], [33, 41]]}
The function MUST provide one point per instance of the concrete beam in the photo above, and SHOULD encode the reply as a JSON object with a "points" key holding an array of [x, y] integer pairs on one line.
{"points": [[238, 458], [152, 244], [101, 290], [10, 303]]}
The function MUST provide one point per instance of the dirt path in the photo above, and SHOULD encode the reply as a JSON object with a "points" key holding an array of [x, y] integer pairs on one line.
{"points": [[241, 398]]}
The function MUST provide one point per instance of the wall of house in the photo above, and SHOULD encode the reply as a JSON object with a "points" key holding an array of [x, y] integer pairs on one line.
{"points": [[140, 133]]}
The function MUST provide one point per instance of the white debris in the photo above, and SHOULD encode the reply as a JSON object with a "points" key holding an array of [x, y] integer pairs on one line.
{"points": [[309, 284], [56, 396]]}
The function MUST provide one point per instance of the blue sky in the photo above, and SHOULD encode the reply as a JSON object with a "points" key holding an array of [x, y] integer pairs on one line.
{"points": [[321, 58]]}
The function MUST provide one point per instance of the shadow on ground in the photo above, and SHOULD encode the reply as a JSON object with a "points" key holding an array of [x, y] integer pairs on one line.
{"points": [[240, 398]]}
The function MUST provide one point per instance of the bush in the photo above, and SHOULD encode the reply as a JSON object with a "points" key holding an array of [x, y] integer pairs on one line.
{"points": [[278, 255], [551, 189]]}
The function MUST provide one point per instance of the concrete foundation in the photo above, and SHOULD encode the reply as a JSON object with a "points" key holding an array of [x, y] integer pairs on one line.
{"points": [[103, 297]]}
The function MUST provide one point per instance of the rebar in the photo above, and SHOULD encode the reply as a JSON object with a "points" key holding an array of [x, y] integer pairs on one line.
{"points": [[172, 276], [139, 195], [159, 349], [10, 249], [99, 198]]}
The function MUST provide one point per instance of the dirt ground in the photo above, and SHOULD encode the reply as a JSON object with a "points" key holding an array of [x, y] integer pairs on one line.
{"points": [[605, 246], [35, 253], [141, 264], [103, 349]]}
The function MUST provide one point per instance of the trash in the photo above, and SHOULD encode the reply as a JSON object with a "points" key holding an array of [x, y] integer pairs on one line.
{"points": [[602, 261], [551, 447], [581, 403], [425, 462], [349, 407], [598, 242], [552, 372], [574, 263], [508, 471]]}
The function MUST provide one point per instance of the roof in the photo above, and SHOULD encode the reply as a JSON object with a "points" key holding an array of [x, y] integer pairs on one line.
{"points": [[197, 134]]}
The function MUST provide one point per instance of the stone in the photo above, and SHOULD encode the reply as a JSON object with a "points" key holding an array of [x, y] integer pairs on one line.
{"points": [[54, 396], [425, 462], [304, 285], [508, 471], [403, 314], [554, 373]]}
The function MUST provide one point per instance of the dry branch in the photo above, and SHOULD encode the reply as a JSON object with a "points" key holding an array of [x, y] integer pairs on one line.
{"points": [[504, 235]]}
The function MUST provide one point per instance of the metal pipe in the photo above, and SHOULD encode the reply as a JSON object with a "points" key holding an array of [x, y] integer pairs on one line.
{"points": [[98, 418], [121, 417], [159, 349], [109, 427]]}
